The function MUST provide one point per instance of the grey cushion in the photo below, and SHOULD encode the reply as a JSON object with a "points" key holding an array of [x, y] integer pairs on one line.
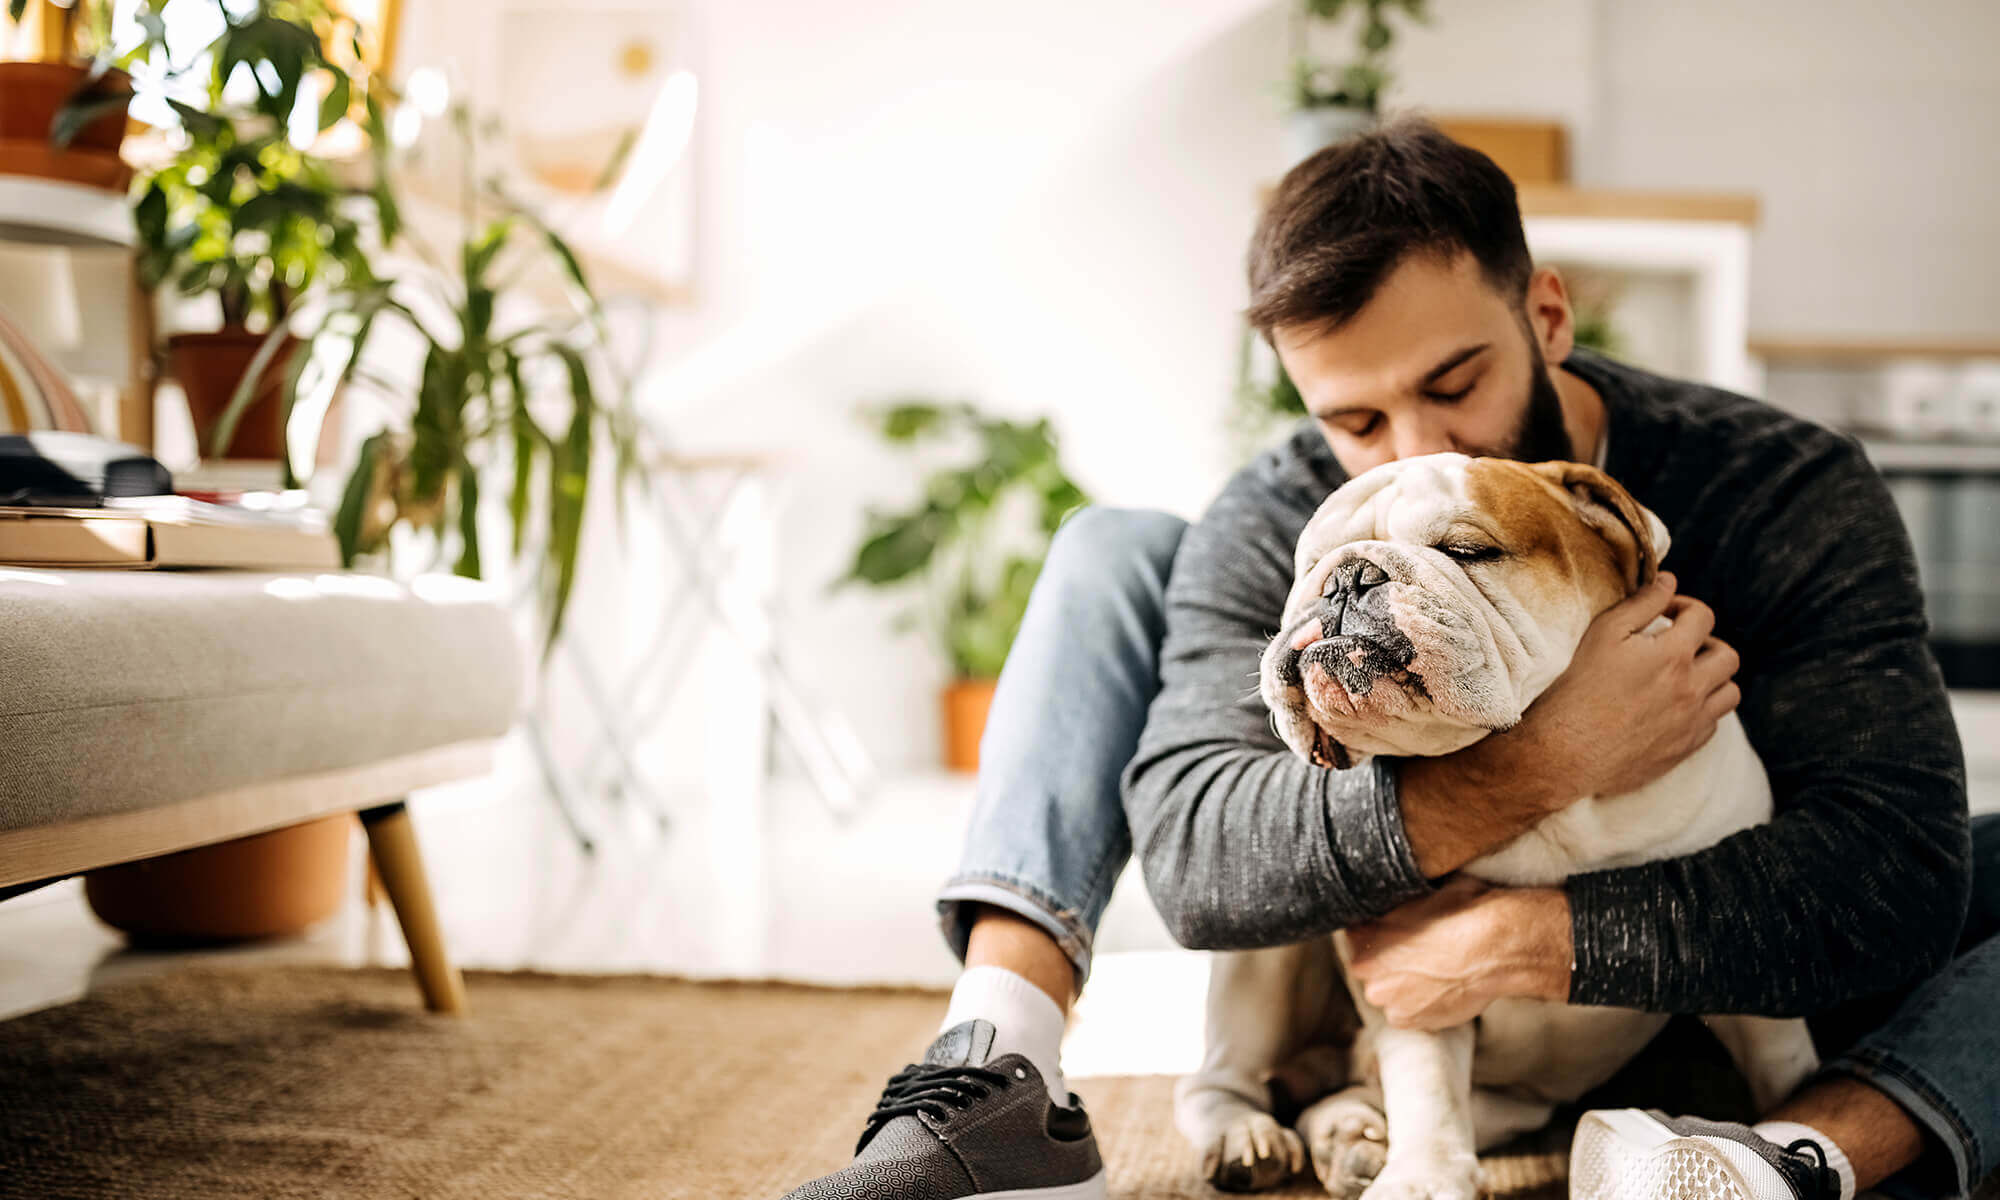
{"points": [[122, 690]]}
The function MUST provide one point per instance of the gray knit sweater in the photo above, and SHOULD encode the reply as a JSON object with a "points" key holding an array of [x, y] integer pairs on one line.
{"points": [[1858, 885]]}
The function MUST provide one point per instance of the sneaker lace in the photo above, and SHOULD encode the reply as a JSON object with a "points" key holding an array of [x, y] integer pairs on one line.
{"points": [[1827, 1178], [931, 1088]]}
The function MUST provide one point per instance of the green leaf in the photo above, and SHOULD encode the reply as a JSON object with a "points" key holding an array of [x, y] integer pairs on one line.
{"points": [[480, 252], [898, 547], [1060, 498], [571, 265], [1284, 394], [365, 310], [149, 215], [569, 486], [387, 215], [195, 280], [301, 355], [468, 521], [246, 390], [200, 125], [80, 111], [623, 428], [527, 436], [436, 423], [909, 421], [16, 9], [348, 519], [476, 315], [333, 106], [264, 210]]}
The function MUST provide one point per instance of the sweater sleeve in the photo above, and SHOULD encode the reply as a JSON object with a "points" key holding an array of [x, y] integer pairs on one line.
{"points": [[1243, 843], [1860, 882]]}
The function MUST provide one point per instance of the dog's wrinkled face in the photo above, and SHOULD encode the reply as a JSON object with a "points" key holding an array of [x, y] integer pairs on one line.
{"points": [[1435, 597]]}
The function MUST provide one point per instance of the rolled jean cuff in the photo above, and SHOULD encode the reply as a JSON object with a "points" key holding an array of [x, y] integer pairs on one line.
{"points": [[1023, 900], [1930, 1109]]}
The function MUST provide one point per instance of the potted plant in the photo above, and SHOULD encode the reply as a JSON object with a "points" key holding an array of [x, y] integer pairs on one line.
{"points": [[239, 212], [974, 567], [244, 214], [62, 111], [1330, 103], [247, 218], [506, 402]]}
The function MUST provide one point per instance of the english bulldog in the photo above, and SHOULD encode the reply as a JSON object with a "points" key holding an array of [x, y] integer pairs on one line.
{"points": [[1434, 599]]}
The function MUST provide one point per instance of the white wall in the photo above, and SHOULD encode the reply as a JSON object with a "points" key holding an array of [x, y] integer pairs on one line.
{"points": [[1063, 236], [1868, 131], [1043, 206]]}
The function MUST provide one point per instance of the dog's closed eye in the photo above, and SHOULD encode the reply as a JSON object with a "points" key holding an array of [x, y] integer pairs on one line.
{"points": [[1469, 552]]}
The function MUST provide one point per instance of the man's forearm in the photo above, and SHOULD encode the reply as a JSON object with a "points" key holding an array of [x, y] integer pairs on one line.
{"points": [[1463, 806]]}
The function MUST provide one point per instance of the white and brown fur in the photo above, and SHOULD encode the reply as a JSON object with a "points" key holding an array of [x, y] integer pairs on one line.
{"points": [[1484, 638]]}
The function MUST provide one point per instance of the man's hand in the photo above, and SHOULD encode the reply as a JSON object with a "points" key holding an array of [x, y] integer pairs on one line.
{"points": [[1629, 707], [1633, 704], [1440, 960]]}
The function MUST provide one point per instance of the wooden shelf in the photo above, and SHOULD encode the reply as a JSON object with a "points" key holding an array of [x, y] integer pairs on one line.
{"points": [[1611, 204], [1540, 200], [1851, 351]]}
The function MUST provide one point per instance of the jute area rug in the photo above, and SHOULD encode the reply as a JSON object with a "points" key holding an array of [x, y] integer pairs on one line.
{"points": [[326, 1083]]}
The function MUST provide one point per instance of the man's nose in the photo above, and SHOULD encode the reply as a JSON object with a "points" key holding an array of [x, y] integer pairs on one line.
{"points": [[1418, 437]]}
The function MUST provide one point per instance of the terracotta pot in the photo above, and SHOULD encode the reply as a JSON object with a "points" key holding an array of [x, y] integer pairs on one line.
{"points": [[264, 885], [30, 95], [208, 367], [965, 705]]}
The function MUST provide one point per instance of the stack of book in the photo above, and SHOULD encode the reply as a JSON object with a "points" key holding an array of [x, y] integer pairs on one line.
{"points": [[267, 530]]}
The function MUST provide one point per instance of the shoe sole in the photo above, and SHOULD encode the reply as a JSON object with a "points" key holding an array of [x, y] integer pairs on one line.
{"points": [[1627, 1155], [1089, 1189]]}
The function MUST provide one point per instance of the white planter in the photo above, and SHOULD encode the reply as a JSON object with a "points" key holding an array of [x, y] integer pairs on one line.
{"points": [[1308, 130]]}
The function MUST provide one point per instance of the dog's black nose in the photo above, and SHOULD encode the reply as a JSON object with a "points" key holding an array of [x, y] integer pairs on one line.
{"points": [[1354, 578]]}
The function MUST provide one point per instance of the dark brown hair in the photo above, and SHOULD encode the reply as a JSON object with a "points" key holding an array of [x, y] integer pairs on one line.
{"points": [[1344, 218]]}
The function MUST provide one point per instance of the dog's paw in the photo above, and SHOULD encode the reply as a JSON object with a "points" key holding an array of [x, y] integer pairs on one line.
{"points": [[1345, 1134], [1427, 1177], [1252, 1153]]}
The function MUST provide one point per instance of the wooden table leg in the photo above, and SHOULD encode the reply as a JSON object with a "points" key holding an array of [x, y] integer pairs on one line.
{"points": [[392, 845]]}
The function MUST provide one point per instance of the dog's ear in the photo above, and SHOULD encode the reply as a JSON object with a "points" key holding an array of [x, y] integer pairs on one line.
{"points": [[1637, 536]]}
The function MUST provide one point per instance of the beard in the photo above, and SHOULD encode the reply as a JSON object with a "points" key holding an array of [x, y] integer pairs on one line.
{"points": [[1541, 436]]}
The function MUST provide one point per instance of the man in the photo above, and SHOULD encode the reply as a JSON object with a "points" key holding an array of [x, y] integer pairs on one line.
{"points": [[1391, 275]]}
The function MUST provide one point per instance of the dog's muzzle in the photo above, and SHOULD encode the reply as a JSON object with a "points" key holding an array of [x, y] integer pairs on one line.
{"points": [[1351, 633]]}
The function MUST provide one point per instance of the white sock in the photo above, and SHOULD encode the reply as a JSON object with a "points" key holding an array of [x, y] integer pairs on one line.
{"points": [[1784, 1133], [1025, 1020]]}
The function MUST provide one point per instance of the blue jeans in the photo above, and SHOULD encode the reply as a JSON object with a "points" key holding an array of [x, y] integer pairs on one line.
{"points": [[1048, 838]]}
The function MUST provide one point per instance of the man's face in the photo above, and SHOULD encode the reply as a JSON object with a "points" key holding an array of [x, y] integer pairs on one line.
{"points": [[1438, 360]]}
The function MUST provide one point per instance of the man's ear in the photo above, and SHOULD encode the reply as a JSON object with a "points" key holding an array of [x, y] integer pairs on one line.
{"points": [[1637, 536]]}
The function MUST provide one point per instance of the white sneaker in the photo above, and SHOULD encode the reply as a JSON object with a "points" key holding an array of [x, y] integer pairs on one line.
{"points": [[1634, 1154]]}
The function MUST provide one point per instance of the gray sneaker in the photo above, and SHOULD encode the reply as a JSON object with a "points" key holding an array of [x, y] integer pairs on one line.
{"points": [[956, 1126]]}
